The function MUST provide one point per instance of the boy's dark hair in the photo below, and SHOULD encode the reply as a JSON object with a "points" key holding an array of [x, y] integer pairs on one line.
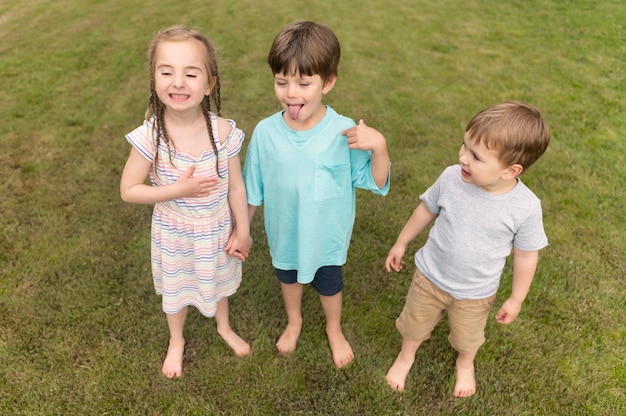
{"points": [[307, 48], [514, 129]]}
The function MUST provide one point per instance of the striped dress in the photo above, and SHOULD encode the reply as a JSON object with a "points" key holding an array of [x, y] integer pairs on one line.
{"points": [[189, 265]]}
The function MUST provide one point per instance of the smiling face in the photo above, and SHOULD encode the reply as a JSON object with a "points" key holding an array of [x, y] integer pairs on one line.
{"points": [[180, 75], [481, 166], [301, 98]]}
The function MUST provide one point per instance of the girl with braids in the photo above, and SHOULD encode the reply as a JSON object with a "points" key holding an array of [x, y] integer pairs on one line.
{"points": [[191, 155]]}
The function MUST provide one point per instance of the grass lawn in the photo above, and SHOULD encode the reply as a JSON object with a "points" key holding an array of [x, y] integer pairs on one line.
{"points": [[81, 330]]}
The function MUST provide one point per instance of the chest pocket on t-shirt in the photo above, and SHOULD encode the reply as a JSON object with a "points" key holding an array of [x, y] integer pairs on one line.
{"points": [[330, 182]]}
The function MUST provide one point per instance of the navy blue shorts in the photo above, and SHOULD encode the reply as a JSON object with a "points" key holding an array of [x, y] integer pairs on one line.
{"points": [[328, 280]]}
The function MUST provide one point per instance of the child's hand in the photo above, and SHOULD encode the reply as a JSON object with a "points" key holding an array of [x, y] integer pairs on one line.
{"points": [[195, 187], [394, 258], [363, 137], [237, 247], [509, 311]]}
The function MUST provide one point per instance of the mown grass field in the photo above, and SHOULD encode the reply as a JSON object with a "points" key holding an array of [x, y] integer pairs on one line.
{"points": [[81, 330]]}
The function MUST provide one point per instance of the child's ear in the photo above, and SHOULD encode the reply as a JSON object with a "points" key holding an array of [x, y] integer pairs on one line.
{"points": [[513, 171], [330, 83], [209, 87]]}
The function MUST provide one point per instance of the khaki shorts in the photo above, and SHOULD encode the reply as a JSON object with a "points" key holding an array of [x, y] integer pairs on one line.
{"points": [[424, 307]]}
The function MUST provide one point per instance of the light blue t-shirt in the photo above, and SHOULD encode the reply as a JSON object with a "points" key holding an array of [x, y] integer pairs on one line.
{"points": [[307, 181], [474, 233]]}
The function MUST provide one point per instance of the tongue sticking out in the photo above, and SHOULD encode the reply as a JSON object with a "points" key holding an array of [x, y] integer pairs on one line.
{"points": [[294, 110]]}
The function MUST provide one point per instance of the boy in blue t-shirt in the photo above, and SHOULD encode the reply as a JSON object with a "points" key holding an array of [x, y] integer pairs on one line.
{"points": [[305, 163], [482, 211]]}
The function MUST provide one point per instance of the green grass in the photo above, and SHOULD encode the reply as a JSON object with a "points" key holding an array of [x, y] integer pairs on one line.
{"points": [[81, 332]]}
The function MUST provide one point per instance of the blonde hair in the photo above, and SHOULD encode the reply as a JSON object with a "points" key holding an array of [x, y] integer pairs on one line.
{"points": [[514, 129], [156, 108]]}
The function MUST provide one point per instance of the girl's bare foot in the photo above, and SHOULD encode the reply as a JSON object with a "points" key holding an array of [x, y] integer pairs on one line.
{"points": [[465, 382], [288, 341], [341, 349], [396, 376], [235, 342], [173, 363]]}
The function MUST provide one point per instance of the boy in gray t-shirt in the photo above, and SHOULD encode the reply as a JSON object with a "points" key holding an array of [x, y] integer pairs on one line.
{"points": [[482, 212]]}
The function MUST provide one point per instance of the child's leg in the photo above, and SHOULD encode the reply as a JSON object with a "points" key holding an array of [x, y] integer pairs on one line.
{"points": [[465, 385], [234, 341], [467, 319], [422, 310], [396, 376], [339, 345], [292, 296], [173, 364]]}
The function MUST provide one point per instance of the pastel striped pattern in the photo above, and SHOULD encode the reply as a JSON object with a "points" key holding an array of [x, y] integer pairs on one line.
{"points": [[189, 265]]}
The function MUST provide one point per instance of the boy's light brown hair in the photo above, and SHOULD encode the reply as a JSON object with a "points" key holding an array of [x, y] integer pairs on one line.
{"points": [[514, 129], [305, 48]]}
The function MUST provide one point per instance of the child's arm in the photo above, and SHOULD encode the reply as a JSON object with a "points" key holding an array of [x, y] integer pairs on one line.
{"points": [[251, 211], [363, 137], [420, 219], [231, 239], [133, 188], [240, 242], [524, 266]]}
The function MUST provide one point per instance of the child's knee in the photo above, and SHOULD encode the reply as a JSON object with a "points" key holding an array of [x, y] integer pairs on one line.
{"points": [[466, 343]]}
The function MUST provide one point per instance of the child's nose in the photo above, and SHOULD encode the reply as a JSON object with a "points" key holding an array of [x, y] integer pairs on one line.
{"points": [[179, 81], [462, 157]]}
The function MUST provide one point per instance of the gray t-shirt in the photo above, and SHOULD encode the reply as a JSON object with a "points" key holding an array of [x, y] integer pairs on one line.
{"points": [[474, 233]]}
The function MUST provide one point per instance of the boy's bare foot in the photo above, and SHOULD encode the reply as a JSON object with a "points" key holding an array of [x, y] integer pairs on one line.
{"points": [[235, 342], [173, 363], [396, 376], [288, 341], [341, 349], [465, 382]]}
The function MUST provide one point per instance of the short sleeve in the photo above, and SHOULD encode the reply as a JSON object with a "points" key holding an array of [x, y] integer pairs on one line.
{"points": [[360, 162], [234, 141], [141, 139], [431, 196], [252, 172], [531, 235]]}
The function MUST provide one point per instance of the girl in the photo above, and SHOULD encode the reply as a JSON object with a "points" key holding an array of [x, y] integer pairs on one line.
{"points": [[192, 158]]}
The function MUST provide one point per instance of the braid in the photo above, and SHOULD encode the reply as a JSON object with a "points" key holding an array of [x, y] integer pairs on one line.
{"points": [[159, 132], [206, 111], [152, 110], [216, 95]]}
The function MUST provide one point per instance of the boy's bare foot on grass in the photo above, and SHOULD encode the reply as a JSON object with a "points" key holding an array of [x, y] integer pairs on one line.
{"points": [[341, 349], [173, 363], [465, 382], [396, 376], [235, 342], [288, 341]]}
